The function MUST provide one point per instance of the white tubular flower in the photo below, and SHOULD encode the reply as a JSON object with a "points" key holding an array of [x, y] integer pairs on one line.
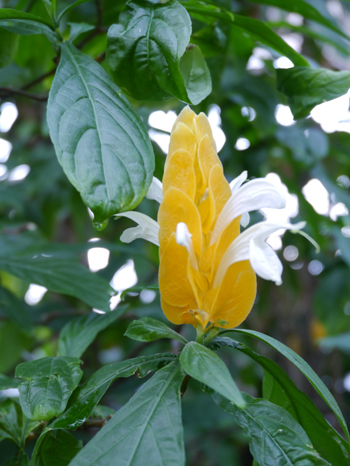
{"points": [[254, 195], [155, 191], [250, 245], [147, 228]]}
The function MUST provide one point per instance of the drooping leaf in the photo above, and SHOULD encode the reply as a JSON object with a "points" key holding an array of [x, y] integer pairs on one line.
{"points": [[196, 74], [79, 28], [48, 385], [281, 390], [60, 275], [144, 52], [148, 426], [306, 87], [100, 141], [22, 23], [58, 448], [9, 43], [148, 329], [274, 435], [304, 367], [79, 333], [204, 365]]}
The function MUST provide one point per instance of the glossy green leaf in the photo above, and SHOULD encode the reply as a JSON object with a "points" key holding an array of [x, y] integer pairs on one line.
{"points": [[306, 87], [304, 367], [148, 329], [304, 9], [13, 424], [275, 437], [281, 390], [204, 365], [100, 141], [9, 43], [144, 52], [20, 22], [70, 7], [60, 275], [256, 29], [57, 449], [196, 74], [48, 385], [79, 333], [148, 426]]}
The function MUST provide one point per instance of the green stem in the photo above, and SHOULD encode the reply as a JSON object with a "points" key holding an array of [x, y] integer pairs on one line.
{"points": [[200, 334]]}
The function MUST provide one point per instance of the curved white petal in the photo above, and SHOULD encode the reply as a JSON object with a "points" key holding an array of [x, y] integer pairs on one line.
{"points": [[237, 182], [155, 191], [147, 228], [184, 238], [265, 261], [254, 195], [250, 245]]}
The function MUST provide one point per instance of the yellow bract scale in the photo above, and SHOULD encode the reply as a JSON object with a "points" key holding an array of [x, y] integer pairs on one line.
{"points": [[194, 192]]}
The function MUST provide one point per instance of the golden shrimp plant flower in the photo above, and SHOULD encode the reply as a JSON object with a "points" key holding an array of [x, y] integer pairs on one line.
{"points": [[208, 268]]}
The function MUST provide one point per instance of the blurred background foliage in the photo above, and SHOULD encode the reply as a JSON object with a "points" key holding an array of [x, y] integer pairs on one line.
{"points": [[254, 127]]}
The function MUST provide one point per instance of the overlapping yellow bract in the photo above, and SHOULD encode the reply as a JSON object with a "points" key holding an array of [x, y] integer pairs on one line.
{"points": [[194, 192]]}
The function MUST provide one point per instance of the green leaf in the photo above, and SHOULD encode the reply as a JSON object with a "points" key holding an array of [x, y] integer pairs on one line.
{"points": [[79, 28], [86, 398], [79, 333], [13, 424], [275, 438], [89, 395], [281, 390], [306, 10], [48, 386], [304, 367], [148, 427], [204, 365], [20, 22], [144, 51], [9, 43], [137, 289], [8, 382], [196, 74], [306, 87], [60, 275], [256, 29], [148, 329], [58, 449], [100, 141]]}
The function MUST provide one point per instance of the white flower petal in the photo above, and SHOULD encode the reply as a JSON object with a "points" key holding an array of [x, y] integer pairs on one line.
{"points": [[247, 243], [155, 191], [184, 238], [237, 182], [253, 195], [265, 261], [245, 219], [147, 228]]}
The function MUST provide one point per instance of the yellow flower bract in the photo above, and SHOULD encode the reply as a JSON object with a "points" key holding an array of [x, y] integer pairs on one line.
{"points": [[194, 192]]}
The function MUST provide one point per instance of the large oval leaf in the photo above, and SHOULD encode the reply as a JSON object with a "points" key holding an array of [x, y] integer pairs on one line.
{"points": [[100, 141], [144, 51]]}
